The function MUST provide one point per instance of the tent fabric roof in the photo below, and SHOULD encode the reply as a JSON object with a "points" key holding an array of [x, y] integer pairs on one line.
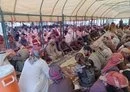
{"points": [[29, 10]]}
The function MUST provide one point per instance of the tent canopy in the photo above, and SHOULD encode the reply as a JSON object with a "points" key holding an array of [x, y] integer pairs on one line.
{"points": [[52, 10]]}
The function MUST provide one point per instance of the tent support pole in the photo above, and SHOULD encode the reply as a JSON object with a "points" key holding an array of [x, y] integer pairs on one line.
{"points": [[107, 21], [28, 18], [103, 20], [76, 20], [100, 21], [12, 21], [85, 18], [62, 31], [41, 31], [4, 30], [91, 21], [129, 22], [61, 28]]}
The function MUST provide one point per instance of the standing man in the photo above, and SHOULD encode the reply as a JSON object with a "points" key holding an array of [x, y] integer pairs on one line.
{"points": [[35, 74]]}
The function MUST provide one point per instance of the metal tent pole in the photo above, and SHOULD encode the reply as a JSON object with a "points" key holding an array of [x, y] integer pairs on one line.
{"points": [[4, 29], [62, 25], [76, 20], [85, 21], [12, 21], [41, 24], [107, 21], [103, 20], [96, 21], [41, 31], [129, 22], [100, 21], [91, 21]]}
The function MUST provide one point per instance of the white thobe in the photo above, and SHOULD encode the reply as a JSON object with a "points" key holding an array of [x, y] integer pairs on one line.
{"points": [[34, 77]]}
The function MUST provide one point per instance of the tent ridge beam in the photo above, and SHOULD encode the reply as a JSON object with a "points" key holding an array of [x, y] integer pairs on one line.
{"points": [[90, 7], [21, 14], [76, 7], [117, 14], [107, 9], [112, 7], [41, 7], [15, 6], [14, 10], [98, 8], [120, 13], [80, 6], [64, 6], [28, 18], [54, 7]]}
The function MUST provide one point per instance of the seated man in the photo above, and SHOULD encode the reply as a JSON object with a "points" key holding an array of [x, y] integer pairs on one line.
{"points": [[94, 34], [52, 51], [64, 47], [108, 42], [99, 56], [85, 71], [35, 74], [92, 55], [22, 55], [115, 40], [111, 80], [12, 43], [45, 56], [77, 44], [87, 39], [5, 56], [23, 40], [60, 82]]}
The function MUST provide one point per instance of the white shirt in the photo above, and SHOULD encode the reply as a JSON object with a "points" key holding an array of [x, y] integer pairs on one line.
{"points": [[34, 77], [115, 41], [96, 61]]}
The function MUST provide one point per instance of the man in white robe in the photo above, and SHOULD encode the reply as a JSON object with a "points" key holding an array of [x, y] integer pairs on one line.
{"points": [[35, 75]]}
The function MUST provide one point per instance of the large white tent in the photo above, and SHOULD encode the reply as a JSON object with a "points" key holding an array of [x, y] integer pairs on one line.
{"points": [[52, 10]]}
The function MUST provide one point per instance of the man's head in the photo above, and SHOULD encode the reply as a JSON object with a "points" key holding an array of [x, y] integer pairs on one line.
{"points": [[33, 36], [11, 38], [63, 38], [79, 57], [10, 53], [87, 50], [52, 42], [55, 73], [125, 52]]}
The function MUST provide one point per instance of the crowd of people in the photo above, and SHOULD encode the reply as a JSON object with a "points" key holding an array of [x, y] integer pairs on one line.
{"points": [[102, 55]]}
